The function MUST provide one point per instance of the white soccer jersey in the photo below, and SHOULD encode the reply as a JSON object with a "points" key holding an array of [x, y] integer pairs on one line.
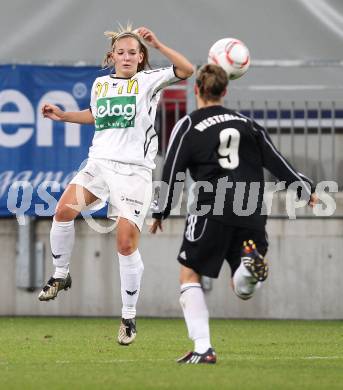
{"points": [[124, 110]]}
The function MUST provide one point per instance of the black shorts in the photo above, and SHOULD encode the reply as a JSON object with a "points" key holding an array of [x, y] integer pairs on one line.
{"points": [[207, 243]]}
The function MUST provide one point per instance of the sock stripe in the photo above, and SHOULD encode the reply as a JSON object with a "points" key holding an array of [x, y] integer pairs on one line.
{"points": [[188, 288]]}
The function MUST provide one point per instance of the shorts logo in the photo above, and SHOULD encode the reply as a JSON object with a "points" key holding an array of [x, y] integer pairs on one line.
{"points": [[183, 256], [116, 112], [131, 201], [137, 212]]}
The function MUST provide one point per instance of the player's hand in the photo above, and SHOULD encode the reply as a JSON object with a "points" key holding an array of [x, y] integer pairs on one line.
{"points": [[148, 36], [156, 225], [313, 200], [52, 112]]}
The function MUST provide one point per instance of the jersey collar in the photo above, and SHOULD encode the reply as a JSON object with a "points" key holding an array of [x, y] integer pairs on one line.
{"points": [[121, 78]]}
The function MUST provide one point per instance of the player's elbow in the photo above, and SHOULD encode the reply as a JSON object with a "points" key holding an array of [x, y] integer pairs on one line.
{"points": [[185, 72], [190, 70]]}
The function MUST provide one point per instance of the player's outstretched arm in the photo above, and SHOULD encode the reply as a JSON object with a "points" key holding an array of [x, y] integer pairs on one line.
{"points": [[56, 114], [183, 68]]}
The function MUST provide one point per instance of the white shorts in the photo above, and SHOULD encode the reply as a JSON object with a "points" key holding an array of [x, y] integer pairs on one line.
{"points": [[127, 188]]}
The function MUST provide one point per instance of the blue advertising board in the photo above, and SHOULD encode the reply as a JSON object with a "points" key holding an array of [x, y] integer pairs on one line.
{"points": [[33, 149]]}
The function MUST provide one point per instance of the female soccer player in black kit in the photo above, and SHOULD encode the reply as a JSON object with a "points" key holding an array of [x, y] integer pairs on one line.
{"points": [[225, 153]]}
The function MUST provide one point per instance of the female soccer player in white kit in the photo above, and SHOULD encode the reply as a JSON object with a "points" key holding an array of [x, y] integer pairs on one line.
{"points": [[120, 161]]}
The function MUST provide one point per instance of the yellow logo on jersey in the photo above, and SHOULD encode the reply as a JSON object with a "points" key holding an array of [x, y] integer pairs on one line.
{"points": [[101, 88], [130, 84]]}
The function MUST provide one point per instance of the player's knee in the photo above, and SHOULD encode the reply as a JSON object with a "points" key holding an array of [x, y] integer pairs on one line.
{"points": [[125, 246], [64, 213], [188, 275], [189, 278]]}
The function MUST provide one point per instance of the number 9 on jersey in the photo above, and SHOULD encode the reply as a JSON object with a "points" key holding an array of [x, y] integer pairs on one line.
{"points": [[228, 148]]}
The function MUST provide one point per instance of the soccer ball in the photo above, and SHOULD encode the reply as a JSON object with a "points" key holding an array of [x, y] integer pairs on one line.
{"points": [[232, 55]]}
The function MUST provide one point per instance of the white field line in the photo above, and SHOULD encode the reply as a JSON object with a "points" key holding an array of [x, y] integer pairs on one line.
{"points": [[233, 358]]}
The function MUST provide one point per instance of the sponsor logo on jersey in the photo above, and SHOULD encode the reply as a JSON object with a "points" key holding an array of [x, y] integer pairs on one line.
{"points": [[115, 112]]}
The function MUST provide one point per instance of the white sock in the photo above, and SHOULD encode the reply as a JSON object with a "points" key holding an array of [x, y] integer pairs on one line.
{"points": [[61, 272], [131, 271], [244, 283], [195, 311], [62, 236]]}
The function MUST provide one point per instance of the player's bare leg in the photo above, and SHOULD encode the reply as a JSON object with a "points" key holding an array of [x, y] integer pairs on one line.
{"points": [[195, 311], [131, 271], [62, 235]]}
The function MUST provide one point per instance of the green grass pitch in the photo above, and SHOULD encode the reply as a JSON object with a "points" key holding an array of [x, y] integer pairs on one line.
{"points": [[82, 353]]}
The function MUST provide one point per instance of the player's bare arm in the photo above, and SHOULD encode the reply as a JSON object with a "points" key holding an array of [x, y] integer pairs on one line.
{"points": [[156, 225], [313, 200], [183, 68], [56, 114]]}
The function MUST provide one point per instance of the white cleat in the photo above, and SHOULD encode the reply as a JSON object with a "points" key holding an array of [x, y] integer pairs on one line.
{"points": [[127, 331], [53, 286]]}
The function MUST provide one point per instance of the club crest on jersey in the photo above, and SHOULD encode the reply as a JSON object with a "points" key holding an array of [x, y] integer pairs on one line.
{"points": [[115, 112]]}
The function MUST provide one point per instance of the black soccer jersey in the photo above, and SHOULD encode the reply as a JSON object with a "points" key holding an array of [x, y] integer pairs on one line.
{"points": [[225, 153]]}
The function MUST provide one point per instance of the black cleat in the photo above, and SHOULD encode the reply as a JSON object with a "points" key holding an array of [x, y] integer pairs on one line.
{"points": [[127, 331], [53, 286], [254, 262], [209, 357]]}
